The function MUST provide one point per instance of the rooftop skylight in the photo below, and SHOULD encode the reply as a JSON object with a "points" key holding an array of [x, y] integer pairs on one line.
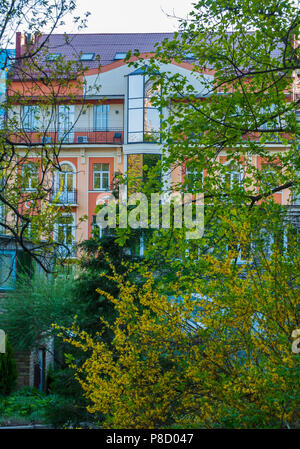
{"points": [[87, 56], [120, 55]]}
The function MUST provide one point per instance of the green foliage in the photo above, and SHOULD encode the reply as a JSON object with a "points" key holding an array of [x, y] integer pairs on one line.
{"points": [[33, 306], [26, 404], [8, 370], [94, 264], [63, 411], [37, 220], [207, 342]]}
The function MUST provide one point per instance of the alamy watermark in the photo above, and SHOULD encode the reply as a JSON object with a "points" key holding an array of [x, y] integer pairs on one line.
{"points": [[296, 342], [153, 212]]}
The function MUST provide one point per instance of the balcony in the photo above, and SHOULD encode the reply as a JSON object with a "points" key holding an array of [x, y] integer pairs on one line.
{"points": [[77, 136], [65, 197]]}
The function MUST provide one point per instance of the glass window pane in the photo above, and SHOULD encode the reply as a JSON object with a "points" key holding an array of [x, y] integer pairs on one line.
{"points": [[87, 56], [30, 118], [97, 167], [150, 161], [105, 181], [135, 137], [136, 86], [66, 168], [135, 172], [152, 120], [66, 117], [135, 103], [30, 175], [69, 182], [104, 167], [135, 120], [101, 115], [69, 237], [96, 180], [120, 55], [61, 234], [6, 270], [61, 178]]}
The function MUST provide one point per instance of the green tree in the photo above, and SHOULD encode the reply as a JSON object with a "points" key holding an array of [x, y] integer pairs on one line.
{"points": [[94, 266], [28, 312], [27, 211], [210, 351], [205, 340]]}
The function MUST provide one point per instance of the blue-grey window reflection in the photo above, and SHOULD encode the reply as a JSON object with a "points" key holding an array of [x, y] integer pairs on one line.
{"points": [[143, 117]]}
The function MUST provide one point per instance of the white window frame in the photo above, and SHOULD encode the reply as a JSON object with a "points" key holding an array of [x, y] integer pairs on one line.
{"points": [[101, 172], [101, 117], [233, 171], [30, 119], [194, 173], [30, 187], [65, 191], [73, 230], [66, 121]]}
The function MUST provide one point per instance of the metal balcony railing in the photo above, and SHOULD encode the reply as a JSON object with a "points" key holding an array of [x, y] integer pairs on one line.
{"points": [[78, 136], [64, 196]]}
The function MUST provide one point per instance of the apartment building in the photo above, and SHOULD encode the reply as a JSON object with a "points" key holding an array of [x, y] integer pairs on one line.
{"points": [[109, 127], [104, 126]]}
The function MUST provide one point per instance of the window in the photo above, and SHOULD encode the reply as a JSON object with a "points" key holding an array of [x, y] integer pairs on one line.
{"points": [[29, 229], [65, 234], [139, 167], [30, 174], [2, 115], [7, 270], [65, 185], [268, 175], [265, 243], [194, 178], [53, 56], [189, 55], [120, 55], [232, 177], [87, 56], [66, 115], [143, 117], [149, 163], [31, 118], [101, 176], [270, 114], [101, 114]]}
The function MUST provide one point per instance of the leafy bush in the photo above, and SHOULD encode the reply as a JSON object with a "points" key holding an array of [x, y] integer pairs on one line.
{"points": [[29, 311], [67, 406], [63, 412], [27, 404]]}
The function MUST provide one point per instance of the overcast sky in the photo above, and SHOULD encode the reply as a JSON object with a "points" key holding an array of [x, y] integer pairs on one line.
{"points": [[130, 16]]}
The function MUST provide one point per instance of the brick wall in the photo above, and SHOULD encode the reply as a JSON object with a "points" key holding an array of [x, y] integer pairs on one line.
{"points": [[24, 361]]}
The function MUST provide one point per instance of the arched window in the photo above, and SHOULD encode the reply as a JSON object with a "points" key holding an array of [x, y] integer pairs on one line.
{"points": [[65, 185]]}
